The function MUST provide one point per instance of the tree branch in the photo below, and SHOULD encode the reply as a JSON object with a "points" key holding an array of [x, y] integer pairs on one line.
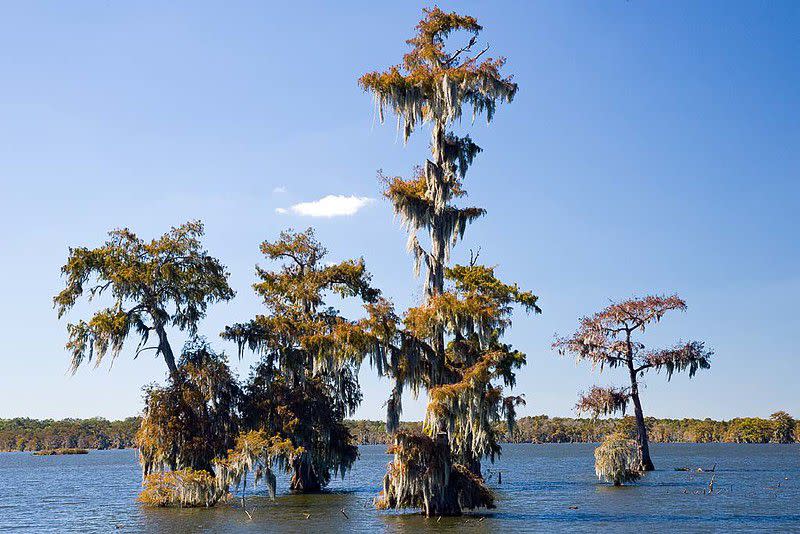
{"points": [[460, 51], [479, 54], [144, 349]]}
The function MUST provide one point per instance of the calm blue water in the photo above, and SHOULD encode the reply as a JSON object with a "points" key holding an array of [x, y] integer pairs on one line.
{"points": [[757, 488]]}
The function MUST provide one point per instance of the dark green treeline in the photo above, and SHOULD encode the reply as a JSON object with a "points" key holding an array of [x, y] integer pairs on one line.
{"points": [[22, 434]]}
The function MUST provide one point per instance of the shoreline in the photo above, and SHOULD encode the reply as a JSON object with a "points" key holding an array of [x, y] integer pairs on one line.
{"points": [[23, 434]]}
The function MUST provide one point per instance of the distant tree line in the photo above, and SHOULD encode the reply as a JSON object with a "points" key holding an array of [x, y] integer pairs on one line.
{"points": [[779, 428], [22, 434]]}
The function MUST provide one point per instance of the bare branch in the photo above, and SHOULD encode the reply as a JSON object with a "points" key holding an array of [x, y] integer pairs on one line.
{"points": [[479, 54], [460, 51]]}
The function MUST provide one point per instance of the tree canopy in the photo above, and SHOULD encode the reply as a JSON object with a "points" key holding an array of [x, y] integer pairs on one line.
{"points": [[194, 419], [166, 282], [433, 83], [306, 382]]}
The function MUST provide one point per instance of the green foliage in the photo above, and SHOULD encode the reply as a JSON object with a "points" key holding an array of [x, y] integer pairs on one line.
{"points": [[28, 434], [60, 452], [307, 380], [480, 280], [308, 417], [165, 282], [96, 433], [194, 418], [751, 430], [783, 427]]}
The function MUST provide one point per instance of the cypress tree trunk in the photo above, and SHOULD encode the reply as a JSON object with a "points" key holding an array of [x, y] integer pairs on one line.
{"points": [[304, 478], [446, 503], [166, 350], [641, 429]]}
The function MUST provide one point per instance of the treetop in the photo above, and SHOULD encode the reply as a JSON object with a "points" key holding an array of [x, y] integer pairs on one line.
{"points": [[165, 281], [606, 338], [432, 83]]}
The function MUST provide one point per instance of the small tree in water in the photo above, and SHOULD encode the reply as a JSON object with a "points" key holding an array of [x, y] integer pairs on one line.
{"points": [[450, 345], [607, 339], [167, 282], [307, 380], [616, 460]]}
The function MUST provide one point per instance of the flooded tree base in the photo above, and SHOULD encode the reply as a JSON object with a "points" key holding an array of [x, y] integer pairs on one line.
{"points": [[304, 481], [185, 488], [423, 477]]}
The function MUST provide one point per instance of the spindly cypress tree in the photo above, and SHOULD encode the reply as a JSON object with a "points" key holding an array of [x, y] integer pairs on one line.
{"points": [[307, 380], [608, 339], [450, 345]]}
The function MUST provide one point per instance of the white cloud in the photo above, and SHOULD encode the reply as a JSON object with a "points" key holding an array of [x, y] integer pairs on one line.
{"points": [[281, 211], [329, 206], [278, 190]]}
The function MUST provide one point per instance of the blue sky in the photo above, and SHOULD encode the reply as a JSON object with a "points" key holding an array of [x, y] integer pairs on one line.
{"points": [[652, 147]]}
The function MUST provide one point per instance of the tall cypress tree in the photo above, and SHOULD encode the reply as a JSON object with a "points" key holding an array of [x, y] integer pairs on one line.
{"points": [[449, 345]]}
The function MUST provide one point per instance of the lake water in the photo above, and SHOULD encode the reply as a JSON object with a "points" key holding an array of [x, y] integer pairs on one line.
{"points": [[544, 488]]}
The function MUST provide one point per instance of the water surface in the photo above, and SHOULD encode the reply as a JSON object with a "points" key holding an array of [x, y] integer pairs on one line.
{"points": [[544, 488]]}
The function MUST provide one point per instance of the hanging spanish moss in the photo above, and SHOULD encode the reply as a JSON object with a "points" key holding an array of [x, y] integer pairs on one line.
{"points": [[186, 425], [259, 453], [449, 345], [186, 488], [307, 380], [422, 476], [616, 460]]}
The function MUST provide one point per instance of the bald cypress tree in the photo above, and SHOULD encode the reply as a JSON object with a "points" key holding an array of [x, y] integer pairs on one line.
{"points": [[451, 344], [307, 380], [152, 285], [608, 339]]}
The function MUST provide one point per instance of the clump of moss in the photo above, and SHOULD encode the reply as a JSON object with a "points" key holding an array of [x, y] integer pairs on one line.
{"points": [[185, 488], [423, 476], [617, 460]]}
